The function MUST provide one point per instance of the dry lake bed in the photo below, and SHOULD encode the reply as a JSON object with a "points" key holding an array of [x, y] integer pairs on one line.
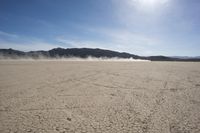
{"points": [[99, 97]]}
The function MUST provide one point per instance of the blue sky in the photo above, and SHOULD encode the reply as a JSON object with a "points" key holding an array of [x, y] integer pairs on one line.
{"points": [[143, 27]]}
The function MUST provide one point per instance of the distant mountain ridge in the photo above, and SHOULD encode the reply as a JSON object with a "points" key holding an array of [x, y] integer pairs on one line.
{"points": [[84, 53]]}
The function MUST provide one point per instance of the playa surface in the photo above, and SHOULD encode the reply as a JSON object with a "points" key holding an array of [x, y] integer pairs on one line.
{"points": [[99, 96]]}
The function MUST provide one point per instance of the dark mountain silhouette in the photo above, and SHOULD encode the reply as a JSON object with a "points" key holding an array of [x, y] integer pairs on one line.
{"points": [[83, 53]]}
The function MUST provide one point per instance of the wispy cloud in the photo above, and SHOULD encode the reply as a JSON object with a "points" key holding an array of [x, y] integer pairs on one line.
{"points": [[28, 46], [18, 42], [77, 43], [114, 39], [122, 36], [9, 35]]}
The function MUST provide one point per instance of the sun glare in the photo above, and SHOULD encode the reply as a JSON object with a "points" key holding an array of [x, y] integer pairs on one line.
{"points": [[149, 4], [152, 2]]}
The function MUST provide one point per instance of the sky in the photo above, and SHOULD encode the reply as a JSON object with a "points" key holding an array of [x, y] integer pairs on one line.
{"points": [[142, 27]]}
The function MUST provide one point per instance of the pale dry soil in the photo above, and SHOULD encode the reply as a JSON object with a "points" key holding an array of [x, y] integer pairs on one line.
{"points": [[99, 97]]}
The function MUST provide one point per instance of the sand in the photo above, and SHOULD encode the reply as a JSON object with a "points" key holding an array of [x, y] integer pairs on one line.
{"points": [[99, 97]]}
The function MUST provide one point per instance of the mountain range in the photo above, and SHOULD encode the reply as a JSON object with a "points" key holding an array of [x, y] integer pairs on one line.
{"points": [[84, 53]]}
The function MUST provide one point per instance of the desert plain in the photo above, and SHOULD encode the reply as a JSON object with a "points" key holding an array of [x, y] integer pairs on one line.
{"points": [[99, 97]]}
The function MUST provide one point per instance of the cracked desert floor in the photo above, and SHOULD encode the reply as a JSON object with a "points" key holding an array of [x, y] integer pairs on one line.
{"points": [[99, 97]]}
